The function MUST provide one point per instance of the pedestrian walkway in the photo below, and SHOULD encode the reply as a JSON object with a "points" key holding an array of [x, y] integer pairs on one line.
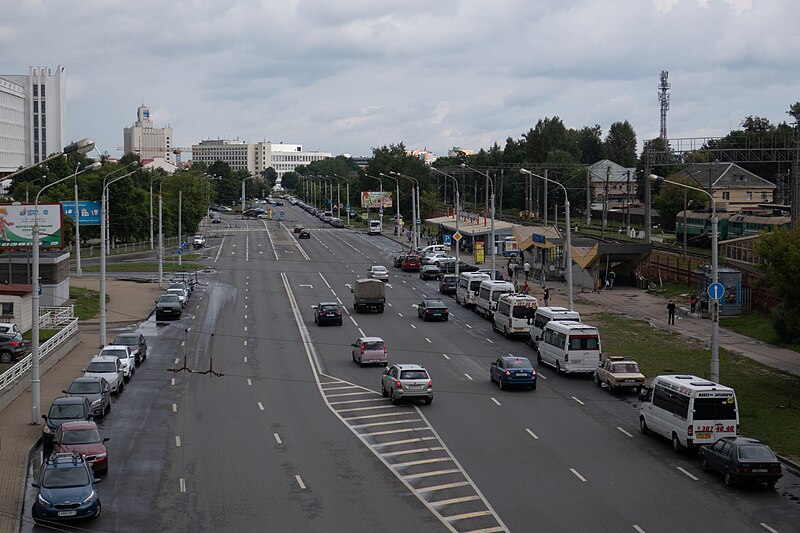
{"points": [[129, 303]]}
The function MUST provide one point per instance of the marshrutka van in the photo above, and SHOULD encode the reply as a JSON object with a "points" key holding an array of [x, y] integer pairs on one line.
{"points": [[688, 410], [468, 285], [514, 314], [489, 293], [570, 347], [374, 227], [546, 314]]}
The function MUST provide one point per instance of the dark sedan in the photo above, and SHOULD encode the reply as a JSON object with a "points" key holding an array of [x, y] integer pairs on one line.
{"points": [[448, 284], [430, 272], [304, 234], [740, 459], [327, 313], [432, 309], [96, 390], [168, 306], [507, 371], [450, 267]]}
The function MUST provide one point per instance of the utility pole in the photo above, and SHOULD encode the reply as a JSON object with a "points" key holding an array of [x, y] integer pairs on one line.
{"points": [[588, 197], [605, 204], [544, 196]]}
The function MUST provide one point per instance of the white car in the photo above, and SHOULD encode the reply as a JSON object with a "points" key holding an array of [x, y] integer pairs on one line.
{"points": [[180, 293], [108, 367], [437, 258], [378, 272], [199, 241], [125, 356]]}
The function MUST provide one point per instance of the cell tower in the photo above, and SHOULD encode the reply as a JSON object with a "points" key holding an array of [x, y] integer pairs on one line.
{"points": [[663, 97]]}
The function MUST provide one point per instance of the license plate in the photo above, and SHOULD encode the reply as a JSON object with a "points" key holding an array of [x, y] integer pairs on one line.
{"points": [[760, 470], [522, 375], [415, 387], [630, 381], [67, 513], [704, 435]]}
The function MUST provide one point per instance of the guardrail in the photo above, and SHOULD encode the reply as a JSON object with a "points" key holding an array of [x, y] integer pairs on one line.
{"points": [[55, 317], [9, 376]]}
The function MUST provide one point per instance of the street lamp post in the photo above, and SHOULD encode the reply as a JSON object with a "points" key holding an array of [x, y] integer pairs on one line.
{"points": [[491, 182], [347, 193], [458, 216], [415, 211], [569, 235], [397, 201], [93, 166], [161, 232], [714, 271], [83, 146]]}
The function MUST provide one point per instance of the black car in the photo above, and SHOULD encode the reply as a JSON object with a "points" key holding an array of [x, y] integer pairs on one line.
{"points": [[168, 306], [96, 390], [430, 272], [432, 309], [741, 459], [136, 343], [397, 262], [448, 284], [450, 267], [12, 347], [304, 234], [336, 222], [64, 409], [328, 313]]}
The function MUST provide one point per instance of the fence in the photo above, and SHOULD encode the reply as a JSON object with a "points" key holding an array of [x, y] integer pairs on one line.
{"points": [[125, 248]]}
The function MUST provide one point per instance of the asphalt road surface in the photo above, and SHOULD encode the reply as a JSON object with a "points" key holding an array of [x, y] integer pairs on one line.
{"points": [[294, 436]]}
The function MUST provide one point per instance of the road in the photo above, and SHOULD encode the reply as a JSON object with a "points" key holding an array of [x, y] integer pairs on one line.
{"points": [[294, 435]]}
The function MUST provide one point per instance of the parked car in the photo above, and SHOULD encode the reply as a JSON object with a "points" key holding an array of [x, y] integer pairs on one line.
{"points": [[450, 267], [368, 350], [108, 367], [125, 356], [180, 292], [65, 490], [10, 328], [83, 437], [511, 370], [64, 409], [411, 263], [336, 222], [135, 342], [378, 272], [216, 220], [12, 347], [168, 306], [199, 241], [304, 234], [96, 390], [619, 373], [327, 313], [741, 459], [185, 277], [432, 309], [407, 381], [429, 272], [448, 283]]}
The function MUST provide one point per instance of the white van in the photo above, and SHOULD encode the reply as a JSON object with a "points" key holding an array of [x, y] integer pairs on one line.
{"points": [[374, 227], [514, 314], [546, 314], [570, 347], [688, 410], [468, 285], [421, 251], [489, 293]]}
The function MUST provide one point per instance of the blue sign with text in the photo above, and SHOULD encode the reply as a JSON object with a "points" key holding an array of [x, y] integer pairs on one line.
{"points": [[89, 212]]}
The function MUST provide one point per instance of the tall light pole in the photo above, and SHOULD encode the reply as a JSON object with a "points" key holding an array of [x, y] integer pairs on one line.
{"points": [[491, 182], [83, 146], [458, 215], [245, 179], [161, 233], [569, 235], [415, 211], [714, 271], [380, 210], [94, 166], [347, 187], [397, 200]]}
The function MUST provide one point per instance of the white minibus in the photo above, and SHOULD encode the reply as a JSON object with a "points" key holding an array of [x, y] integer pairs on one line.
{"points": [[546, 314], [468, 285], [570, 347], [514, 314], [488, 295], [688, 410]]}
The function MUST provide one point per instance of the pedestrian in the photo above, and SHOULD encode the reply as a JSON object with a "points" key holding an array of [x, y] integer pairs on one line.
{"points": [[546, 297], [526, 287], [509, 269], [610, 279], [693, 302], [526, 268], [515, 267], [671, 311], [543, 277]]}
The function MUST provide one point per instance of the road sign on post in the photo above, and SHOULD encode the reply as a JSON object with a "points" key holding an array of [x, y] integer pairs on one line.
{"points": [[457, 236], [364, 216], [183, 244], [180, 251], [446, 239], [716, 291], [281, 214]]}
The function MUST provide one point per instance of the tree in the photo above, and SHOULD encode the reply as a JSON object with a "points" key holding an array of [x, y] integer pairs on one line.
{"points": [[590, 144], [755, 124], [794, 112], [669, 200], [779, 257], [290, 180], [620, 144]]}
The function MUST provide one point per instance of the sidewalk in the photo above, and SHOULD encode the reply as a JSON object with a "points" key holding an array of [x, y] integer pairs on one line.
{"points": [[129, 303]]}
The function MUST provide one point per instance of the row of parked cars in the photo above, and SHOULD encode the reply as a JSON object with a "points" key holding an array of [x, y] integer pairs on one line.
{"points": [[171, 304]]}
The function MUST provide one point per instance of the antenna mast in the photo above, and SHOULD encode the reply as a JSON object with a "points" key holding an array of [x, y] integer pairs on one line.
{"points": [[663, 97]]}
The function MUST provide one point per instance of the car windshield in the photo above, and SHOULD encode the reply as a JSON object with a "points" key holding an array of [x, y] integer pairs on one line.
{"points": [[66, 411], [84, 387], [81, 436], [168, 299], [373, 345], [379, 269], [523, 311], [64, 477], [176, 290], [475, 285], [126, 340], [625, 368], [413, 374], [434, 303], [518, 363], [101, 367], [119, 354], [329, 308], [755, 451]]}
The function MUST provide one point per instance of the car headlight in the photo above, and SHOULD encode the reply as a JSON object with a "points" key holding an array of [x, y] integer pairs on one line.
{"points": [[97, 402], [90, 498], [102, 455], [43, 501], [45, 429]]}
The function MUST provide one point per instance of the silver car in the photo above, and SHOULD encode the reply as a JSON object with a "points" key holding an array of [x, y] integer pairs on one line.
{"points": [[378, 272], [109, 368], [125, 356], [407, 381]]}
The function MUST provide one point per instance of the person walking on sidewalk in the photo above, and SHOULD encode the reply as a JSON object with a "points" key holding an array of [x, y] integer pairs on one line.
{"points": [[693, 302], [546, 297], [527, 269], [671, 311], [610, 279], [526, 287], [509, 269]]}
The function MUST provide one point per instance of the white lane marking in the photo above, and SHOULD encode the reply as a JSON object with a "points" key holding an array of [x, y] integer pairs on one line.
{"points": [[470, 327], [640, 530], [245, 358], [333, 292], [177, 441], [687, 473], [277, 438], [261, 406], [495, 401], [413, 326], [245, 328], [531, 433], [389, 304], [362, 332], [245, 343], [541, 375], [177, 360], [490, 340], [427, 339], [353, 320], [577, 474], [249, 382], [446, 356], [173, 381], [577, 400], [400, 314], [300, 482], [469, 377], [174, 407], [269, 236], [324, 280], [306, 285], [198, 306], [404, 281], [765, 526], [245, 316], [625, 432], [339, 300], [183, 485], [245, 306]]}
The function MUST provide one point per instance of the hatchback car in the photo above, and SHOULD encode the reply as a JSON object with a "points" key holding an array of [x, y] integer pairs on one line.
{"points": [[327, 313], [65, 490], [168, 306], [125, 357], [508, 371], [378, 272], [448, 284], [304, 234], [84, 438], [410, 263], [135, 343], [96, 390], [407, 381], [12, 347], [108, 367], [429, 272], [741, 459], [336, 222], [367, 350], [64, 409], [433, 309]]}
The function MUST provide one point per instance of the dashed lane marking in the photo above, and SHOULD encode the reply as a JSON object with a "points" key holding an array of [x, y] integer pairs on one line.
{"points": [[577, 400], [469, 377], [495, 401], [261, 406], [531, 433], [689, 474], [277, 438], [624, 432], [577, 474], [177, 441], [300, 482]]}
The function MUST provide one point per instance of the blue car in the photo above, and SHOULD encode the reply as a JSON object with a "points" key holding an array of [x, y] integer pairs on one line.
{"points": [[66, 490], [511, 371]]}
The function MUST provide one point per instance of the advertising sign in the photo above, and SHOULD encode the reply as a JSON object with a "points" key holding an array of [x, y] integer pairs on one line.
{"points": [[372, 199], [89, 212], [16, 225]]}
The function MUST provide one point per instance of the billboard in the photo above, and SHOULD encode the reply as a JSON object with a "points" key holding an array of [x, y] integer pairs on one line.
{"points": [[89, 212], [16, 225], [372, 199]]}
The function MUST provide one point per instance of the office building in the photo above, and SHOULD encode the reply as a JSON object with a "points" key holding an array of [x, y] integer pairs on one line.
{"points": [[147, 141], [255, 158]]}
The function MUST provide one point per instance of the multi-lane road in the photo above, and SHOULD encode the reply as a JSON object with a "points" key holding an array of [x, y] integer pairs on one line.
{"points": [[293, 436]]}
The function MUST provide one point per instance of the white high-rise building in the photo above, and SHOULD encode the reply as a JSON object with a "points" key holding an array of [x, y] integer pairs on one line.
{"points": [[147, 141], [255, 158], [44, 116], [12, 127]]}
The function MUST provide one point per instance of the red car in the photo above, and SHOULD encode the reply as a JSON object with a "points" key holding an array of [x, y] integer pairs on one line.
{"points": [[410, 263], [83, 437]]}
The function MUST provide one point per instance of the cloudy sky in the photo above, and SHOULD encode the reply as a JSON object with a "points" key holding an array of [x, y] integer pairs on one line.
{"points": [[345, 76]]}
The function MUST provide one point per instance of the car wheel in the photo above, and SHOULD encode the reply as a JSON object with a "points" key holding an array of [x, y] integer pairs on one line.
{"points": [[643, 426], [394, 398], [5, 357], [728, 479], [428, 401], [558, 366], [597, 380], [383, 391], [704, 465], [108, 408], [99, 510], [676, 444], [771, 484], [501, 383], [360, 362]]}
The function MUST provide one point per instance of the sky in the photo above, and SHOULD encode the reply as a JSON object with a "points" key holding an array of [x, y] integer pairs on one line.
{"points": [[347, 76]]}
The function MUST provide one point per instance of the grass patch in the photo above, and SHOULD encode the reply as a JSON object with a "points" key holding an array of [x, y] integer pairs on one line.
{"points": [[145, 267], [679, 292], [769, 400], [757, 326], [86, 302], [44, 334]]}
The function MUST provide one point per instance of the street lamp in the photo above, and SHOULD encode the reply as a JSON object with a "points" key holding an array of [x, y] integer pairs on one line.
{"points": [[415, 208], [347, 187], [491, 182], [94, 166], [569, 234], [245, 179], [458, 215], [714, 271], [380, 210], [161, 232], [397, 200]]}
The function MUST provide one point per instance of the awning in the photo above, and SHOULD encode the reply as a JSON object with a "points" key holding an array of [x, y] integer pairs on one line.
{"points": [[584, 256], [545, 237]]}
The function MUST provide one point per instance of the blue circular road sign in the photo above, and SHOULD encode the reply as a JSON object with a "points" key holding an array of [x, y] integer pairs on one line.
{"points": [[716, 291]]}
